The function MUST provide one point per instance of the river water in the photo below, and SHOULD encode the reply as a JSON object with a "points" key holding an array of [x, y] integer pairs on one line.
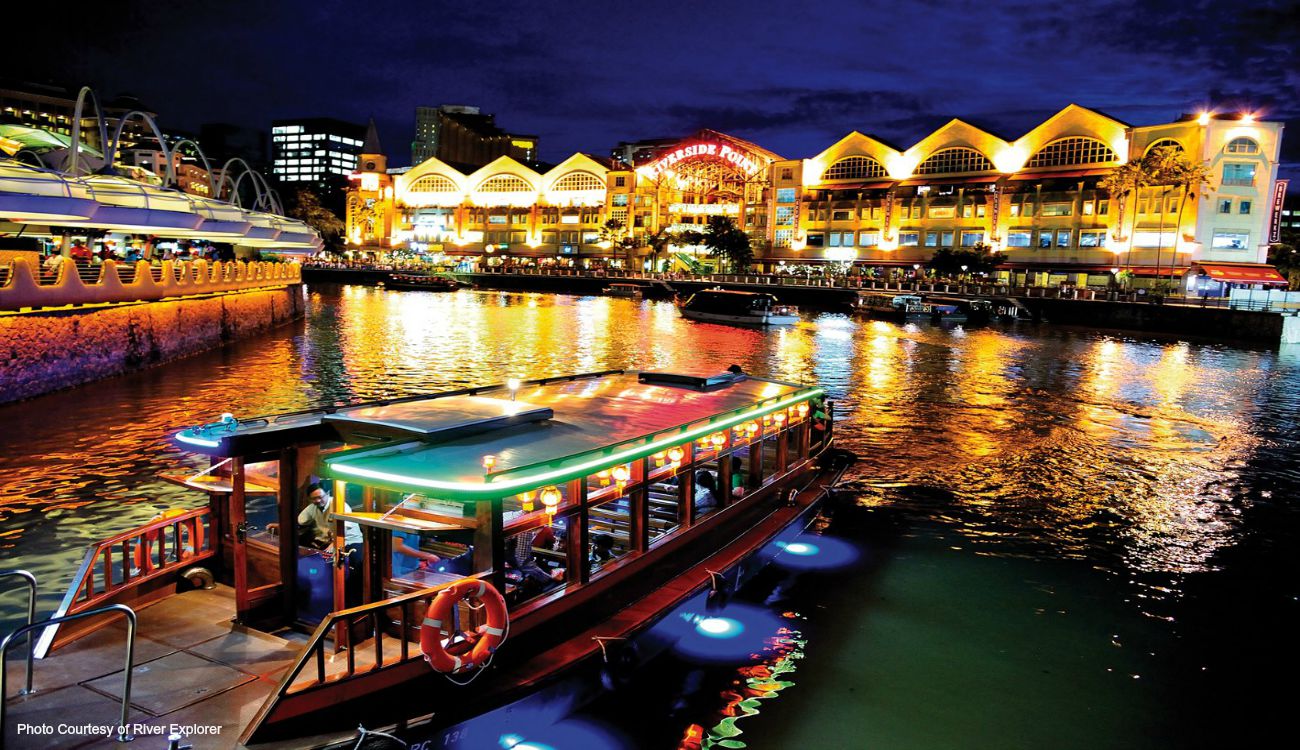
{"points": [[1068, 538]]}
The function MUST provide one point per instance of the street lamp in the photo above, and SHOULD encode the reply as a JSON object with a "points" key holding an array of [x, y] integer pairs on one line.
{"points": [[963, 272]]}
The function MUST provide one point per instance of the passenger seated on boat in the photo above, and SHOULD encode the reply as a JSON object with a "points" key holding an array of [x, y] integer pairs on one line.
{"points": [[407, 555], [522, 566], [602, 551], [314, 528], [738, 477], [706, 488]]}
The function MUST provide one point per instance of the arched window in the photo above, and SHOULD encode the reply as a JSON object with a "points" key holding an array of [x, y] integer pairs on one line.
{"points": [[954, 160], [505, 183], [1074, 150], [579, 181], [854, 168], [1165, 143], [1242, 145], [434, 183]]}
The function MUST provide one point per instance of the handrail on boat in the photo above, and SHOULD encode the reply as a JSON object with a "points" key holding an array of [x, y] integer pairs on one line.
{"points": [[30, 580], [131, 558], [123, 729]]}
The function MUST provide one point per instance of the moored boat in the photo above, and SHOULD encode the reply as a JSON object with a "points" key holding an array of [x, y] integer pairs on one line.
{"points": [[502, 534], [420, 282], [622, 290], [743, 308]]}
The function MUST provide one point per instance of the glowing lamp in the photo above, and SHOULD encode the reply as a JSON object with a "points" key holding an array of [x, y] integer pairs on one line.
{"points": [[802, 408], [621, 475], [526, 499], [659, 458], [488, 462], [551, 499], [675, 455], [1248, 118], [779, 418], [718, 440], [1203, 119], [752, 428], [513, 385], [767, 420], [603, 476]]}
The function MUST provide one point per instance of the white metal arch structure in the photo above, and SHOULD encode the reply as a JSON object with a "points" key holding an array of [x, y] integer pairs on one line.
{"points": [[76, 126]]}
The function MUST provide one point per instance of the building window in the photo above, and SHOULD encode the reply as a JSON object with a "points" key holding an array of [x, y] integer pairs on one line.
{"points": [[1063, 237], [868, 239], [620, 181], [1243, 207], [841, 215], [574, 181], [620, 199], [967, 211], [1230, 240], [909, 239], [1092, 238], [433, 184], [505, 183], [1242, 175], [1087, 208], [980, 209], [971, 239], [841, 239], [1165, 143], [1057, 209], [1073, 150], [497, 219], [854, 168], [1242, 145], [785, 195], [787, 173], [945, 239], [1225, 206], [1044, 240], [954, 161], [1018, 238], [942, 212], [931, 239], [784, 214], [817, 240], [1153, 239], [782, 237], [1015, 209]]}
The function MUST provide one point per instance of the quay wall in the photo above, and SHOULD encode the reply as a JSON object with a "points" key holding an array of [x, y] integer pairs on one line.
{"points": [[48, 350], [1211, 322]]}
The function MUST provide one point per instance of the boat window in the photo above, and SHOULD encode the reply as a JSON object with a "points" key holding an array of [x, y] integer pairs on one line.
{"points": [[609, 529], [534, 560], [738, 483], [662, 495], [706, 489]]}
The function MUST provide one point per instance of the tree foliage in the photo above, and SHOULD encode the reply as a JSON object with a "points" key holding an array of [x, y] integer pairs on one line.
{"points": [[728, 242], [948, 261], [308, 209]]}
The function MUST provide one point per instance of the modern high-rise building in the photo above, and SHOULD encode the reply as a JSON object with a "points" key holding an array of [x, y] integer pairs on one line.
{"points": [[462, 134], [632, 153], [316, 153], [50, 108]]}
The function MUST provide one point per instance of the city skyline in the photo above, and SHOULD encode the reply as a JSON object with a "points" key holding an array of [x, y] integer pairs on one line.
{"points": [[594, 75]]}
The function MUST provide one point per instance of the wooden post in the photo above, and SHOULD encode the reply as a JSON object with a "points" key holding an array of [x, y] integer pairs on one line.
{"points": [[756, 463], [238, 530], [575, 544], [724, 480], [489, 541], [782, 452], [686, 496], [287, 515]]}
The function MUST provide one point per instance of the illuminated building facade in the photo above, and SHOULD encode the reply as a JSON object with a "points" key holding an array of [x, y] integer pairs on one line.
{"points": [[316, 153], [1036, 200]]}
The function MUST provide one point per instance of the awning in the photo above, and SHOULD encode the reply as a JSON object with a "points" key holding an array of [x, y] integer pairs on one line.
{"points": [[1042, 175], [873, 185], [939, 180], [1240, 273]]}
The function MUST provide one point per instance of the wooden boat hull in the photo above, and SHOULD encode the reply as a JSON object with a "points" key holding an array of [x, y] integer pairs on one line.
{"points": [[744, 320], [547, 648]]}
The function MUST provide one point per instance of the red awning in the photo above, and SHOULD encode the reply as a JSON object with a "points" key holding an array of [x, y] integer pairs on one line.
{"points": [[1060, 174], [1241, 273]]}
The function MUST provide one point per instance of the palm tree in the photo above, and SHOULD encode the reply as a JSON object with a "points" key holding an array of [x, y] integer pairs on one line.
{"points": [[1188, 175], [1126, 179]]}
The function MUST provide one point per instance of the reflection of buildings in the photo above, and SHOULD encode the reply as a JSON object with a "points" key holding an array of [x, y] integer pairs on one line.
{"points": [[1036, 199], [462, 135]]}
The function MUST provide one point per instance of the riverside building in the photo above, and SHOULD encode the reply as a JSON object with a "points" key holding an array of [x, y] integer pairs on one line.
{"points": [[1035, 200]]}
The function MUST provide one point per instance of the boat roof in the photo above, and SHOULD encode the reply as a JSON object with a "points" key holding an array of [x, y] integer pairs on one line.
{"points": [[590, 424]]}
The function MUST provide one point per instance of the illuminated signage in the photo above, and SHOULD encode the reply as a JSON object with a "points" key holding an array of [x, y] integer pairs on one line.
{"points": [[1279, 197], [705, 209], [743, 161]]}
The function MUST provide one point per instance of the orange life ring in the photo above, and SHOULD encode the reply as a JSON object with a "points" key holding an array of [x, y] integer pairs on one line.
{"points": [[143, 556], [477, 647]]}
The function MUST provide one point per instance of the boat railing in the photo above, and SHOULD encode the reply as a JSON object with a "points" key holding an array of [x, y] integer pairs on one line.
{"points": [[123, 729], [121, 565], [396, 620]]}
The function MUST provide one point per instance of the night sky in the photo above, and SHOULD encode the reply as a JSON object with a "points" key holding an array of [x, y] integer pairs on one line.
{"points": [[793, 77]]}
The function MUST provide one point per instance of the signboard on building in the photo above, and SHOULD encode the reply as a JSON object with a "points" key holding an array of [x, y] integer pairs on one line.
{"points": [[1279, 197], [746, 162]]}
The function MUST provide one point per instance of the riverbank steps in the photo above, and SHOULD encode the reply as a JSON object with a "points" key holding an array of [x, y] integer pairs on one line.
{"points": [[46, 351]]}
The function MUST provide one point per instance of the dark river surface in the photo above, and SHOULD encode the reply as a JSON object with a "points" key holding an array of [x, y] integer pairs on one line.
{"points": [[1068, 539]]}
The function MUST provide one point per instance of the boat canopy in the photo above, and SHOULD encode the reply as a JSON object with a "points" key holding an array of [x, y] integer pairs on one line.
{"points": [[595, 424]]}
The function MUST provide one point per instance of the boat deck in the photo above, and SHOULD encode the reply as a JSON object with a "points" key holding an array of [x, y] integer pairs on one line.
{"points": [[193, 666]]}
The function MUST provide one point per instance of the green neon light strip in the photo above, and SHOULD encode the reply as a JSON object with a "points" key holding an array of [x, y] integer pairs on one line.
{"points": [[507, 487]]}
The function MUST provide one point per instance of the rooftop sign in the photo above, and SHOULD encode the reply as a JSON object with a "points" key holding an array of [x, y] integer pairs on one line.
{"points": [[746, 162]]}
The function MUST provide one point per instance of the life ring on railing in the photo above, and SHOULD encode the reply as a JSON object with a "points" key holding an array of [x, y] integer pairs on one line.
{"points": [[190, 543], [476, 647]]}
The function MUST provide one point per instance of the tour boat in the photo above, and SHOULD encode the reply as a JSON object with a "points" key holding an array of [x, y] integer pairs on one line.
{"points": [[622, 290], [557, 524], [745, 308], [418, 282]]}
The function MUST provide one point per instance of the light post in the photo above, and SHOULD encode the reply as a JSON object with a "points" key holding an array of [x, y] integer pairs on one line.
{"points": [[963, 273], [1114, 280]]}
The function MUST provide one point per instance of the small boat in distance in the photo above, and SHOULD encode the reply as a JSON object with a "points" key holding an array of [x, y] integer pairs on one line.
{"points": [[743, 308], [622, 290], [422, 283]]}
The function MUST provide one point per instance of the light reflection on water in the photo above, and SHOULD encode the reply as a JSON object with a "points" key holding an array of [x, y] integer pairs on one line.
{"points": [[1139, 457]]}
